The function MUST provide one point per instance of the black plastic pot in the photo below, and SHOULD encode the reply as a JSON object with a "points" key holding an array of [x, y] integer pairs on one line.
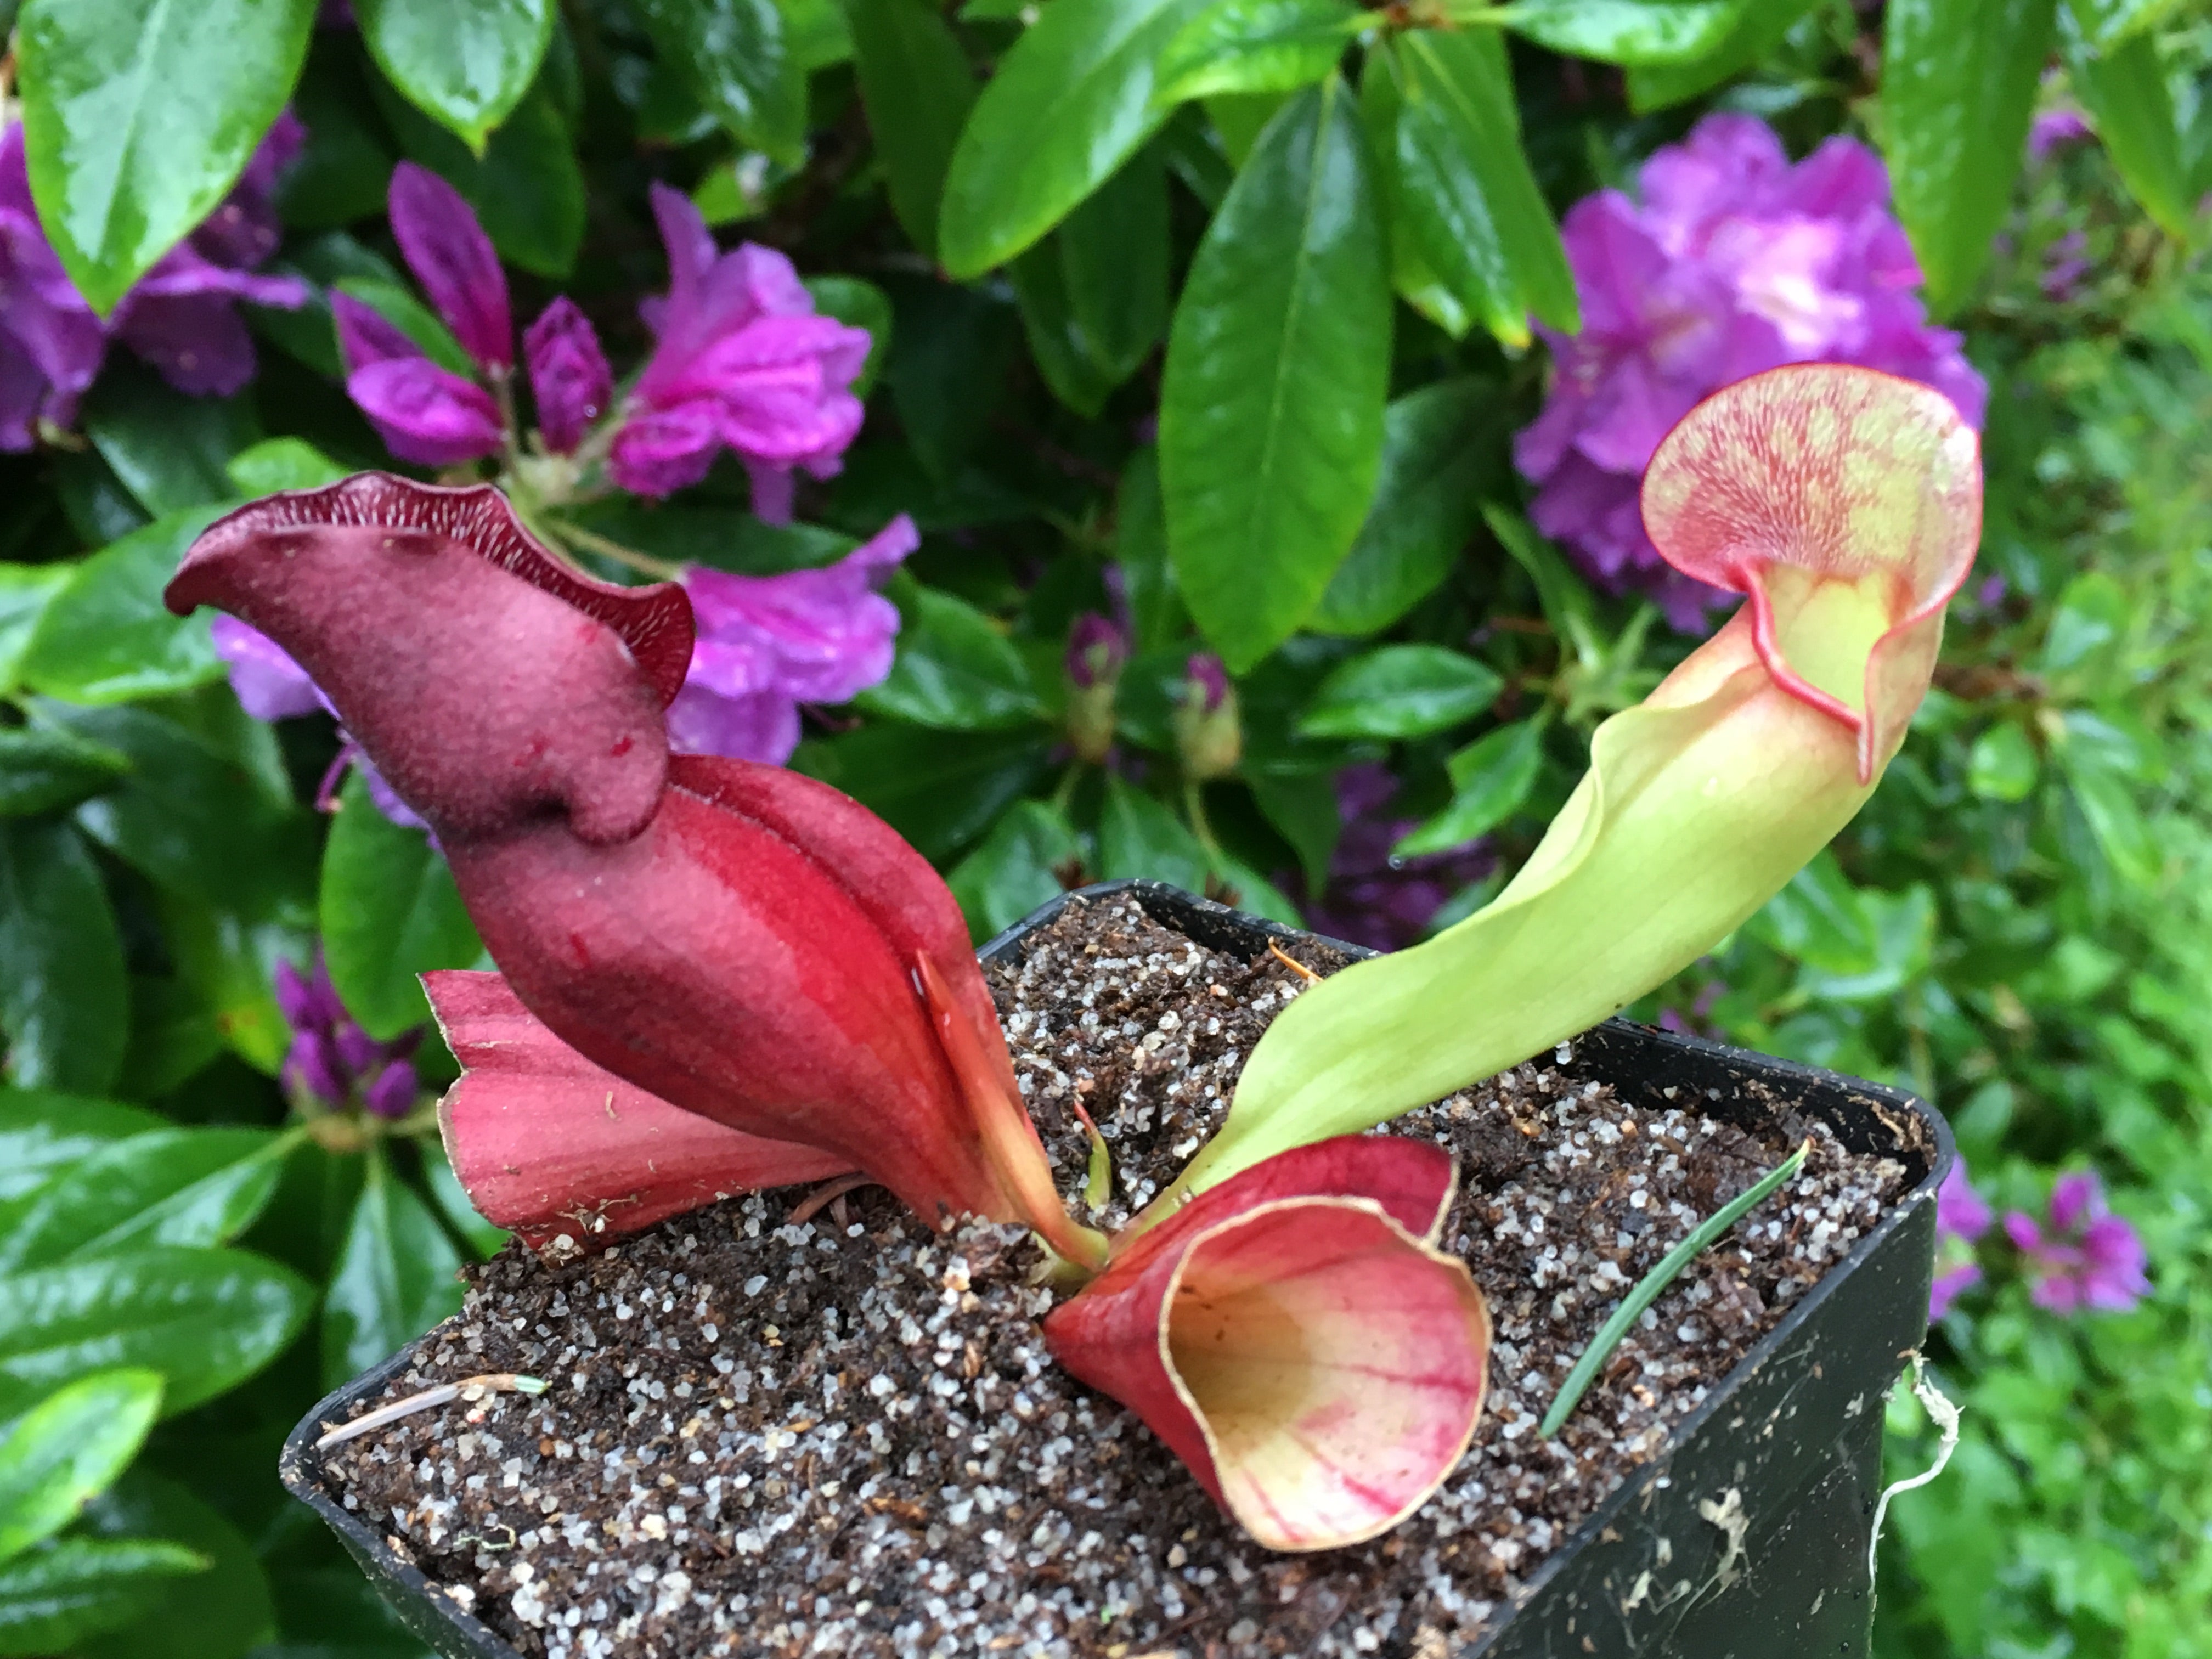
{"points": [[1746, 1538]]}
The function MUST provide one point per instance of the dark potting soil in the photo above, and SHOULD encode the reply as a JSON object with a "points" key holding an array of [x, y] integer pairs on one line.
{"points": [[845, 1436]]}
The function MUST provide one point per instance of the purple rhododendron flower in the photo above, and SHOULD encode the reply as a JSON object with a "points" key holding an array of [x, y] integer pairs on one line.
{"points": [[424, 412], [2089, 1258], [181, 317], [767, 644], [568, 375], [332, 1063], [1950, 1286], [1373, 899], [742, 361], [1204, 670], [1960, 1212], [1736, 261]]}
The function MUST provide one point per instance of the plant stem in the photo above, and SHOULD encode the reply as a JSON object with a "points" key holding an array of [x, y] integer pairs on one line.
{"points": [[607, 548], [1064, 791], [1648, 1289], [1194, 805]]}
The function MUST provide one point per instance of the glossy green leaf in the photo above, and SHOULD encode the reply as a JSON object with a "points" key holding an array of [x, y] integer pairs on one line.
{"points": [[206, 1319], [276, 463], [25, 589], [954, 669], [917, 87], [1443, 453], [63, 1001], [1271, 414], [2087, 625], [1478, 221], [1958, 86], [1632, 33], [1419, 286], [736, 55], [2124, 86], [397, 1275], [1491, 779], [2108, 23], [1017, 867], [1898, 931], [169, 450], [2002, 765], [1302, 808], [389, 911], [42, 1132], [859, 304], [1039, 278], [198, 1186], [66, 1447], [43, 769], [1140, 549], [138, 116], [452, 1202], [527, 187], [1239, 118], [1254, 45], [1071, 101], [1401, 691], [1244, 888], [52, 1598], [1139, 835], [464, 64], [816, 34], [939, 789], [223, 962], [1757, 29], [1113, 262], [189, 816], [225, 1612], [107, 637], [2122, 832]]}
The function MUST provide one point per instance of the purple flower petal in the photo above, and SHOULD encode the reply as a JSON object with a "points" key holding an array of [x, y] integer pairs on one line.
{"points": [[738, 339], [359, 1051], [197, 341], [568, 375], [754, 726], [310, 1067], [2076, 1198], [296, 998], [1374, 898], [805, 636], [1960, 1211], [658, 452], [774, 487], [391, 1094], [365, 337], [2022, 1230], [1096, 650], [453, 259], [1948, 1286], [267, 684], [426, 414]]}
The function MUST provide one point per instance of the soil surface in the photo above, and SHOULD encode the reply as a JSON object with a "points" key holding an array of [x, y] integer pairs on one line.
{"points": [[845, 1436]]}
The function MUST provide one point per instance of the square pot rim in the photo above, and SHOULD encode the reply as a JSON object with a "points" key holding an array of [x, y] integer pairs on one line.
{"points": [[299, 1466]]}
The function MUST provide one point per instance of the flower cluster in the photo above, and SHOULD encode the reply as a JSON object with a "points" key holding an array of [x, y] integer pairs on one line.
{"points": [[1735, 261], [181, 317], [742, 361], [1375, 897], [333, 1064], [2081, 1256]]}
